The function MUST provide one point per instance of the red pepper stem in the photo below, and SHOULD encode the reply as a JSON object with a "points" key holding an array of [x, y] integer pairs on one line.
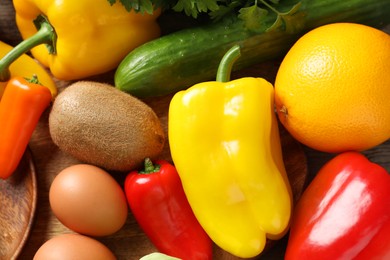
{"points": [[149, 167], [45, 34], [226, 64]]}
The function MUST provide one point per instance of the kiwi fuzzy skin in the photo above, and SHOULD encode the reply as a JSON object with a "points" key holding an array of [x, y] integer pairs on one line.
{"points": [[101, 125]]}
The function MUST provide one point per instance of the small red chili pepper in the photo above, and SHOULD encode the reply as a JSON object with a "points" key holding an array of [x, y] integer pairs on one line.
{"points": [[159, 204], [344, 213], [21, 106]]}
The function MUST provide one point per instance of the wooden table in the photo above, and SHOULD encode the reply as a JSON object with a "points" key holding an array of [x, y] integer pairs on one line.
{"points": [[49, 160]]}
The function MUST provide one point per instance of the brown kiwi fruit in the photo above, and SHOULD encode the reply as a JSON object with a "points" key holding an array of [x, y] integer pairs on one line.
{"points": [[101, 125]]}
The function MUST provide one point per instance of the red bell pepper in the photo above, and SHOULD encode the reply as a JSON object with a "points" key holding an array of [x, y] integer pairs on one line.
{"points": [[344, 213], [21, 106], [159, 204]]}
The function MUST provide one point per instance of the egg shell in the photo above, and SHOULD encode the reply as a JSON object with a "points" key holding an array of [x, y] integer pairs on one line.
{"points": [[73, 246], [88, 200]]}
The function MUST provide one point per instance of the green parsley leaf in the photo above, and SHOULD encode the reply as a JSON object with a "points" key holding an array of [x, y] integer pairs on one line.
{"points": [[141, 6], [224, 10], [290, 20], [294, 21], [252, 12], [252, 16], [194, 7]]}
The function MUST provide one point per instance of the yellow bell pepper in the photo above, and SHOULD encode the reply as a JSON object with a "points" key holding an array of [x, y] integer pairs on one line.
{"points": [[26, 67], [86, 37], [225, 144]]}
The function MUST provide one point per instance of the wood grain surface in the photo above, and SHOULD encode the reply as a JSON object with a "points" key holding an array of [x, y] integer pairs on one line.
{"points": [[130, 242]]}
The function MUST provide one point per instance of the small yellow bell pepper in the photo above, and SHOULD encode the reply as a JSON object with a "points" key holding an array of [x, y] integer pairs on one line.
{"points": [[225, 144], [84, 37], [26, 67]]}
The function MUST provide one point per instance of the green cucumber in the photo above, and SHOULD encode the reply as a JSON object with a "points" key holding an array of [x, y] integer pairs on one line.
{"points": [[181, 59]]}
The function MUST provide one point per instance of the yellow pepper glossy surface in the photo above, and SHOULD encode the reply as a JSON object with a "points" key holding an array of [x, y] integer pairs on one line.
{"points": [[26, 67], [225, 144], [92, 36]]}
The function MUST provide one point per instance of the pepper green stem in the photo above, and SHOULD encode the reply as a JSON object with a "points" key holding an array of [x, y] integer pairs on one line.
{"points": [[44, 35], [34, 79], [149, 167], [226, 64]]}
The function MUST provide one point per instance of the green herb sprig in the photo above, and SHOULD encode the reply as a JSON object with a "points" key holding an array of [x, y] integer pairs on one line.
{"points": [[252, 12]]}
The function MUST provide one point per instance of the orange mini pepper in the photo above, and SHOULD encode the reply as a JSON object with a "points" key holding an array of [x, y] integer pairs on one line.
{"points": [[21, 106]]}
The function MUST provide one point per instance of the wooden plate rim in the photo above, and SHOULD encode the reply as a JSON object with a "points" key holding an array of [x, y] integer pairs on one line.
{"points": [[32, 173]]}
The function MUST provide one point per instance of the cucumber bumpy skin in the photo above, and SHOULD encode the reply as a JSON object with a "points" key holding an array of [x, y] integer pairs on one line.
{"points": [[181, 59]]}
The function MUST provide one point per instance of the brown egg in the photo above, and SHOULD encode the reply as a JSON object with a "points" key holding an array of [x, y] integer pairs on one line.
{"points": [[88, 200], [73, 246]]}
